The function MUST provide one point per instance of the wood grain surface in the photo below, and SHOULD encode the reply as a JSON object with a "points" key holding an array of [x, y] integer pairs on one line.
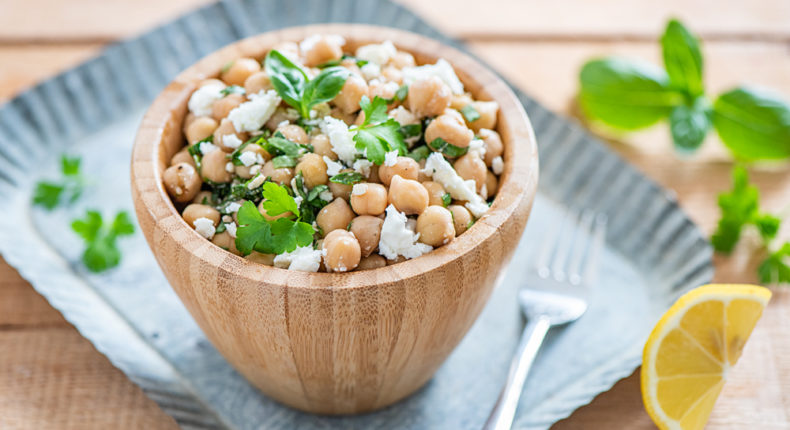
{"points": [[52, 378]]}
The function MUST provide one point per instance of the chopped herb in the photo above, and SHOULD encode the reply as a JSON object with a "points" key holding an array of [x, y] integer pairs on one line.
{"points": [[775, 269], [447, 199], [402, 93], [101, 252], [232, 89], [450, 150], [227, 66], [378, 134], [297, 89], [234, 156], [470, 113], [220, 228], [419, 153], [279, 145], [470, 224], [195, 152], [336, 62], [51, 194], [411, 130], [347, 178], [282, 161]]}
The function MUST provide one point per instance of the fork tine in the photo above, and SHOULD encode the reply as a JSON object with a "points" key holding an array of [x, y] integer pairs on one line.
{"points": [[547, 247], [564, 240], [580, 246], [590, 271]]}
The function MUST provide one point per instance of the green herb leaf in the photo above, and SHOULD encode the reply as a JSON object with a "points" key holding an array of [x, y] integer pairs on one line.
{"points": [[70, 166], [753, 123], [101, 252], [470, 113], [689, 125], [279, 145], [288, 234], [232, 89], [447, 199], [282, 235], [315, 193], [47, 194], [375, 111], [389, 133], [624, 94], [738, 208], [88, 228], [374, 148], [767, 225], [402, 93], [282, 161], [288, 79], [347, 178], [682, 58], [448, 149], [323, 88], [276, 200], [122, 225], [411, 130], [775, 269], [419, 153]]}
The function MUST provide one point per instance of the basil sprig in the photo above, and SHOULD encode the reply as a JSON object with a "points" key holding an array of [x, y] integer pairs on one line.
{"points": [[297, 89]]}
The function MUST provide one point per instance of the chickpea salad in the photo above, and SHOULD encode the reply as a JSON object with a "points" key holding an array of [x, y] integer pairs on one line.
{"points": [[317, 159]]}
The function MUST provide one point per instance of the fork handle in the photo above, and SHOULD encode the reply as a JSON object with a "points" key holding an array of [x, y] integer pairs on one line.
{"points": [[504, 411]]}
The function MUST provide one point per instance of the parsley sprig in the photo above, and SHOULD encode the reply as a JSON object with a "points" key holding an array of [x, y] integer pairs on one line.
{"points": [[49, 194], [256, 233], [378, 133], [101, 251]]}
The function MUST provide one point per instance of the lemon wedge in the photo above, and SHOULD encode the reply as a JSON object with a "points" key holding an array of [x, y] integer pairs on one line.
{"points": [[691, 350]]}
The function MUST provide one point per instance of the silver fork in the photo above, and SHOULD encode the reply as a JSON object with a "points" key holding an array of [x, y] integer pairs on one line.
{"points": [[556, 295]]}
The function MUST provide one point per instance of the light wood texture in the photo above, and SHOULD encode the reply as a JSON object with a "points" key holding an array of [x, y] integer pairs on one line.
{"points": [[548, 45], [325, 342]]}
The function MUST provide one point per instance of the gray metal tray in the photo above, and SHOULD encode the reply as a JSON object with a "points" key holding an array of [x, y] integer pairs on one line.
{"points": [[653, 253]]}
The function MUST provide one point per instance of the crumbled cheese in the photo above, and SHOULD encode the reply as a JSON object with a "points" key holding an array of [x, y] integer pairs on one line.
{"points": [[248, 158], [231, 141], [359, 189], [259, 159], [332, 166], [232, 207], [254, 170], [205, 227], [362, 166], [206, 147], [403, 116], [304, 258], [308, 43], [397, 239], [326, 196], [442, 172], [484, 191], [298, 200], [391, 158], [256, 182], [283, 123], [378, 54], [497, 165], [370, 71], [251, 115], [340, 138], [442, 70], [231, 228], [201, 101], [229, 167], [478, 146]]}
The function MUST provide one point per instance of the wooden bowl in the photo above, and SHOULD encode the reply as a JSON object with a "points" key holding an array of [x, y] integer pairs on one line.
{"points": [[323, 342]]}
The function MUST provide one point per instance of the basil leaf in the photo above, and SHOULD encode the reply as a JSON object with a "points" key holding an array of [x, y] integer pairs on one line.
{"points": [[682, 58], [624, 94], [753, 123], [450, 150], [347, 178], [323, 88], [288, 79], [232, 89], [281, 161], [470, 113], [419, 153], [689, 125]]}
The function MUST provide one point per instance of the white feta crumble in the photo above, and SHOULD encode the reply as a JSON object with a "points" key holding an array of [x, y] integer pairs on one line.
{"points": [[397, 239], [206, 147], [229, 167], [305, 259], [248, 158], [478, 146], [362, 166], [298, 200], [256, 182], [254, 170], [391, 158], [340, 138], [232, 207], [231, 228], [442, 70], [370, 71], [205, 227], [359, 189], [497, 165], [203, 98], [377, 53], [332, 166], [442, 172], [251, 115], [326, 196], [231, 141]]}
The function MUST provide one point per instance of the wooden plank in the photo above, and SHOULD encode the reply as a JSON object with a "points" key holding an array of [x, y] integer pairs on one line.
{"points": [[20, 305], [53, 378]]}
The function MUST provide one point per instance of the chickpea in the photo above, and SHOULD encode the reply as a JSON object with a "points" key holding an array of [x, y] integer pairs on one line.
{"points": [[187, 121], [368, 198], [289, 49], [341, 190], [488, 113], [342, 252], [322, 146], [435, 192], [435, 226], [492, 184], [373, 261], [240, 70], [351, 65], [367, 230], [450, 129], [248, 172], [257, 257], [195, 211], [227, 242], [402, 59], [222, 107], [281, 176], [182, 156], [294, 133], [384, 90], [324, 49], [404, 167], [392, 74], [351, 93], [459, 101], [313, 170], [400, 259], [268, 217], [182, 182], [347, 118], [203, 198], [493, 145], [214, 167], [280, 114], [422, 177], [407, 195], [200, 129], [211, 81], [257, 82], [461, 218], [226, 128], [428, 97], [471, 166], [334, 216]]}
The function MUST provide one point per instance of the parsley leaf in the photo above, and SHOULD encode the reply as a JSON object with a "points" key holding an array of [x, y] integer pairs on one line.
{"points": [[402, 93], [49, 195], [232, 89], [738, 208], [470, 113], [347, 178], [255, 233], [276, 200], [101, 252], [375, 111], [70, 166], [775, 268], [378, 134], [373, 148], [448, 149], [297, 89]]}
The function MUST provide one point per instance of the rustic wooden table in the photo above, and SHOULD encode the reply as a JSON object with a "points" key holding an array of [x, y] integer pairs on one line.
{"points": [[52, 378]]}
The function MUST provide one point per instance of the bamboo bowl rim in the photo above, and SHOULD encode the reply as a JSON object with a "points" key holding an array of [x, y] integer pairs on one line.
{"points": [[517, 183]]}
